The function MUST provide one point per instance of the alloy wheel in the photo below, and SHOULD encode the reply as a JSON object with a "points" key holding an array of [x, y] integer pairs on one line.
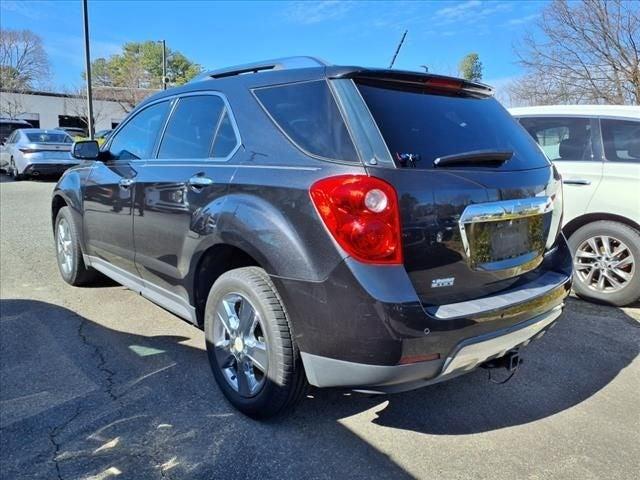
{"points": [[240, 344], [63, 244], [604, 263]]}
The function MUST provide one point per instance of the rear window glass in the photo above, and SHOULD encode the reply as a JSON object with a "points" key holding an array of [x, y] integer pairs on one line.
{"points": [[428, 126], [621, 140], [309, 116], [46, 137]]}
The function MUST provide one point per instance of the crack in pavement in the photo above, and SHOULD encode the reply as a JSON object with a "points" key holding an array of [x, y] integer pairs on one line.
{"points": [[101, 360], [53, 434], [57, 430]]}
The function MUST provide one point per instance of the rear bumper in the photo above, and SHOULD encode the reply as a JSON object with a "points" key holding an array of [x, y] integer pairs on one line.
{"points": [[365, 326], [470, 353], [48, 168]]}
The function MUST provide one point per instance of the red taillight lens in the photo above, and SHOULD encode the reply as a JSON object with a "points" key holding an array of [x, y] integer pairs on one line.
{"points": [[363, 215]]}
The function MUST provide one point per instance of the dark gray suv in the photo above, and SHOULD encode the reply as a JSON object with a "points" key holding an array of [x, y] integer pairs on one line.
{"points": [[378, 230]]}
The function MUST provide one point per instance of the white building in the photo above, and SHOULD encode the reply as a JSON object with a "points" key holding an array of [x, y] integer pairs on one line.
{"points": [[51, 110]]}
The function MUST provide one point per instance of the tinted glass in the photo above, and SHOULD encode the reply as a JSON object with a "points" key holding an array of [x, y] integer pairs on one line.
{"points": [[561, 138], [429, 126], [191, 128], [621, 140], [308, 114], [138, 136], [7, 128], [225, 140], [47, 137]]}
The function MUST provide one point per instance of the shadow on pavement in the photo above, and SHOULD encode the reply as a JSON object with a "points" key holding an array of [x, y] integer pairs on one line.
{"points": [[81, 399]]}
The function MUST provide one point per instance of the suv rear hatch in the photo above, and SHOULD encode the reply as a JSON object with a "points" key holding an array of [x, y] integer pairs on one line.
{"points": [[477, 196]]}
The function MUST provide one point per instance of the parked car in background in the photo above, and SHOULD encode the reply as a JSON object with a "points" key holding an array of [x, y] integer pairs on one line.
{"points": [[597, 151], [76, 133], [101, 136], [377, 230], [32, 152], [8, 125]]}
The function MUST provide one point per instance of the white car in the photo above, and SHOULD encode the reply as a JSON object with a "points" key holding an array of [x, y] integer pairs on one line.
{"points": [[33, 152], [596, 149]]}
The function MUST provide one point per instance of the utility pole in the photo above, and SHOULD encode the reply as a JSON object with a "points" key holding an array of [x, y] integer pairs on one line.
{"points": [[87, 58], [393, 60], [164, 64]]}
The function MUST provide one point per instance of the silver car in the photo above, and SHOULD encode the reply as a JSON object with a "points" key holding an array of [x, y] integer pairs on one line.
{"points": [[33, 152]]}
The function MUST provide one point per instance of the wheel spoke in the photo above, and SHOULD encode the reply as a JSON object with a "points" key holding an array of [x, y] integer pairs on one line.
{"points": [[583, 254], [222, 314], [589, 277], [247, 318], [594, 246], [614, 283], [626, 276], [244, 381], [600, 284], [258, 355], [582, 266], [606, 245], [626, 261]]}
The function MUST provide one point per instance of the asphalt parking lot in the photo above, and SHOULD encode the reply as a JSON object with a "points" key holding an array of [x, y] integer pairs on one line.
{"points": [[100, 383]]}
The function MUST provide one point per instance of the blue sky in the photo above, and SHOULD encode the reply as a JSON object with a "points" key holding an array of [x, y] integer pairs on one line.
{"points": [[217, 34]]}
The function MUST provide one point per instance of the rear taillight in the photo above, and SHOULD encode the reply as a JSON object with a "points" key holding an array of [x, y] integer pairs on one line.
{"points": [[362, 215], [28, 150]]}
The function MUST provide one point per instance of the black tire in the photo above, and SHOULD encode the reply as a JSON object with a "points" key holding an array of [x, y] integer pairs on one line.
{"points": [[78, 274], [627, 235], [285, 380], [14, 172]]}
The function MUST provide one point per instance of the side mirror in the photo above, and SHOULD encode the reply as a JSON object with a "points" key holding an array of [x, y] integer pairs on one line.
{"points": [[85, 150]]}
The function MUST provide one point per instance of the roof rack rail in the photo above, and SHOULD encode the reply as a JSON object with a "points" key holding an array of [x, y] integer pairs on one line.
{"points": [[255, 67]]}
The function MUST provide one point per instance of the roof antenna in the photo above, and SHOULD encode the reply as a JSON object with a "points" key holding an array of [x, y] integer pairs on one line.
{"points": [[393, 60]]}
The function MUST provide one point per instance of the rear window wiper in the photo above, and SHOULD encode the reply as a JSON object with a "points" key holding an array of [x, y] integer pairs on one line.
{"points": [[474, 157]]}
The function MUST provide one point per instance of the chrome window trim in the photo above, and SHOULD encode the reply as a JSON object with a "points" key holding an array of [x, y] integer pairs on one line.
{"points": [[372, 148], [174, 100], [134, 113]]}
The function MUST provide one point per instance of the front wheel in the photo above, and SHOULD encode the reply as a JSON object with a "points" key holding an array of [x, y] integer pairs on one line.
{"points": [[605, 262], [252, 353]]}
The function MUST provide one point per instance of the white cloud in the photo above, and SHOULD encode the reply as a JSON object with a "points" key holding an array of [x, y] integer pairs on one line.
{"points": [[459, 10], [21, 8], [470, 12], [521, 20], [307, 13]]}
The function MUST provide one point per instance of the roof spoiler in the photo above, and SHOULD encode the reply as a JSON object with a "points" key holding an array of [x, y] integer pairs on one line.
{"points": [[417, 79]]}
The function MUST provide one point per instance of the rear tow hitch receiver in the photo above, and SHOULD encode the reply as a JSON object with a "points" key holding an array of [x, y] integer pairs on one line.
{"points": [[510, 361]]}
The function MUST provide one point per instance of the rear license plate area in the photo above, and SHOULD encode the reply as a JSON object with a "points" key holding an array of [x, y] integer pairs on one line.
{"points": [[493, 243]]}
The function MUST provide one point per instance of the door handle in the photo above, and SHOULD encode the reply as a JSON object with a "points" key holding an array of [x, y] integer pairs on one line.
{"points": [[197, 182], [126, 183], [577, 182]]}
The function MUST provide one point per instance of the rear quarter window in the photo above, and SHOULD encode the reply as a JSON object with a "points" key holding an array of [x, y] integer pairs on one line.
{"points": [[307, 113], [621, 140]]}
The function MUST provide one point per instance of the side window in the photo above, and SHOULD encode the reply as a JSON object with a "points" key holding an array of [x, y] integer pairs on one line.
{"points": [[307, 113], [621, 140], [138, 136], [226, 139], [561, 138], [192, 127], [13, 137]]}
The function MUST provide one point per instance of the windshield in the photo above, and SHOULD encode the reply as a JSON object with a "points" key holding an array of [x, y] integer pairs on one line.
{"points": [[423, 126], [47, 137]]}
